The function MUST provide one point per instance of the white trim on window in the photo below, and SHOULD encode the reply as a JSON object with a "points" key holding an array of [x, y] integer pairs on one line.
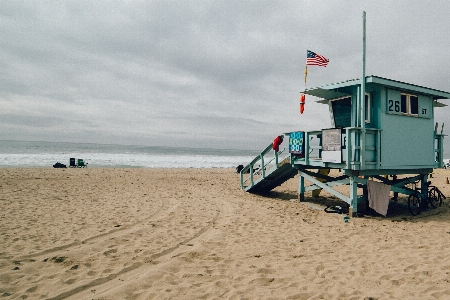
{"points": [[411, 106]]}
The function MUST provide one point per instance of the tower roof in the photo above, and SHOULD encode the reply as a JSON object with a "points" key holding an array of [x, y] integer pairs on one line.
{"points": [[344, 88]]}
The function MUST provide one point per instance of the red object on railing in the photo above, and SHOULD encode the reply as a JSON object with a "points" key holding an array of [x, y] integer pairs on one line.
{"points": [[277, 142]]}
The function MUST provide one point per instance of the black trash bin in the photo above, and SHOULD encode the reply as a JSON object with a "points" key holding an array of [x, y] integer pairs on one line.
{"points": [[72, 163]]}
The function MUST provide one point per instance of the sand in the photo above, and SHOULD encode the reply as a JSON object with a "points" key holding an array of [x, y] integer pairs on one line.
{"points": [[193, 234]]}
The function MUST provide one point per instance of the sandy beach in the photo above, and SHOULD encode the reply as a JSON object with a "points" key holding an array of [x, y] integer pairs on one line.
{"points": [[194, 234]]}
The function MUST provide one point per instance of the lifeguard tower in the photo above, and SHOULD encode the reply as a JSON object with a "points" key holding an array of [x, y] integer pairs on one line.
{"points": [[379, 127], [389, 131]]}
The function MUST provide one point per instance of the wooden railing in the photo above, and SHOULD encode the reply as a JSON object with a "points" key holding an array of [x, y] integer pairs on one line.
{"points": [[355, 139], [368, 139], [439, 150], [263, 163]]}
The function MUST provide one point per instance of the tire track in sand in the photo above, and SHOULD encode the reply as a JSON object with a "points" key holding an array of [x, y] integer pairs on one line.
{"points": [[147, 259], [103, 236]]}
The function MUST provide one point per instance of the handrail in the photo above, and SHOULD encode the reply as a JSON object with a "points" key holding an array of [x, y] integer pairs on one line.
{"points": [[356, 138], [439, 150], [249, 172], [355, 144]]}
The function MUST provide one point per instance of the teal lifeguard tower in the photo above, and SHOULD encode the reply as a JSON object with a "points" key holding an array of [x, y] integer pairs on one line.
{"points": [[389, 131], [379, 127]]}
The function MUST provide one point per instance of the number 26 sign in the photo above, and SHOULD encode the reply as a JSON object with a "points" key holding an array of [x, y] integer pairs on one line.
{"points": [[394, 106]]}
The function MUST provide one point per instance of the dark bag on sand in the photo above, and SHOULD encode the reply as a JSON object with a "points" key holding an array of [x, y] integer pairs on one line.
{"points": [[239, 168], [59, 165]]}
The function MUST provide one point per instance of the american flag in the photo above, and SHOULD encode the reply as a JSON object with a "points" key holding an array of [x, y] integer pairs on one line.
{"points": [[314, 59]]}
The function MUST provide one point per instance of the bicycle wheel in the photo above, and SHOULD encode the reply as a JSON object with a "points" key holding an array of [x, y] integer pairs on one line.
{"points": [[433, 197], [415, 203], [440, 196]]}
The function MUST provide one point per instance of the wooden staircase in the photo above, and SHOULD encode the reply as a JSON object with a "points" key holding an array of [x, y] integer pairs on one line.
{"points": [[266, 172]]}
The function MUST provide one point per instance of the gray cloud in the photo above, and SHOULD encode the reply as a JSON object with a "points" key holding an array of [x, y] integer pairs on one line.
{"points": [[223, 74]]}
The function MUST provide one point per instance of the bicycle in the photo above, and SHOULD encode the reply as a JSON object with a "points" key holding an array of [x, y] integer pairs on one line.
{"points": [[435, 196], [418, 202]]}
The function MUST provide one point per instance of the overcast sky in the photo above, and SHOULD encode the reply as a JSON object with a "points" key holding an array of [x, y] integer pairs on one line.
{"points": [[218, 74]]}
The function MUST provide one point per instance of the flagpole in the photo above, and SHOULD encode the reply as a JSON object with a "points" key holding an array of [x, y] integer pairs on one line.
{"points": [[362, 136], [363, 79], [306, 74], [302, 95], [312, 59]]}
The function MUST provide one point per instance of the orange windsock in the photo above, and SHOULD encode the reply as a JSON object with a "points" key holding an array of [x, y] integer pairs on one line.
{"points": [[302, 103]]}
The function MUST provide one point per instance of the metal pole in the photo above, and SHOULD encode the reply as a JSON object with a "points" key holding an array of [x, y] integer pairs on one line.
{"points": [[362, 106], [363, 79]]}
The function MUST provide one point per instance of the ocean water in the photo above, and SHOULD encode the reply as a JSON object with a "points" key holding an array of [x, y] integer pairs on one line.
{"points": [[46, 154]]}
